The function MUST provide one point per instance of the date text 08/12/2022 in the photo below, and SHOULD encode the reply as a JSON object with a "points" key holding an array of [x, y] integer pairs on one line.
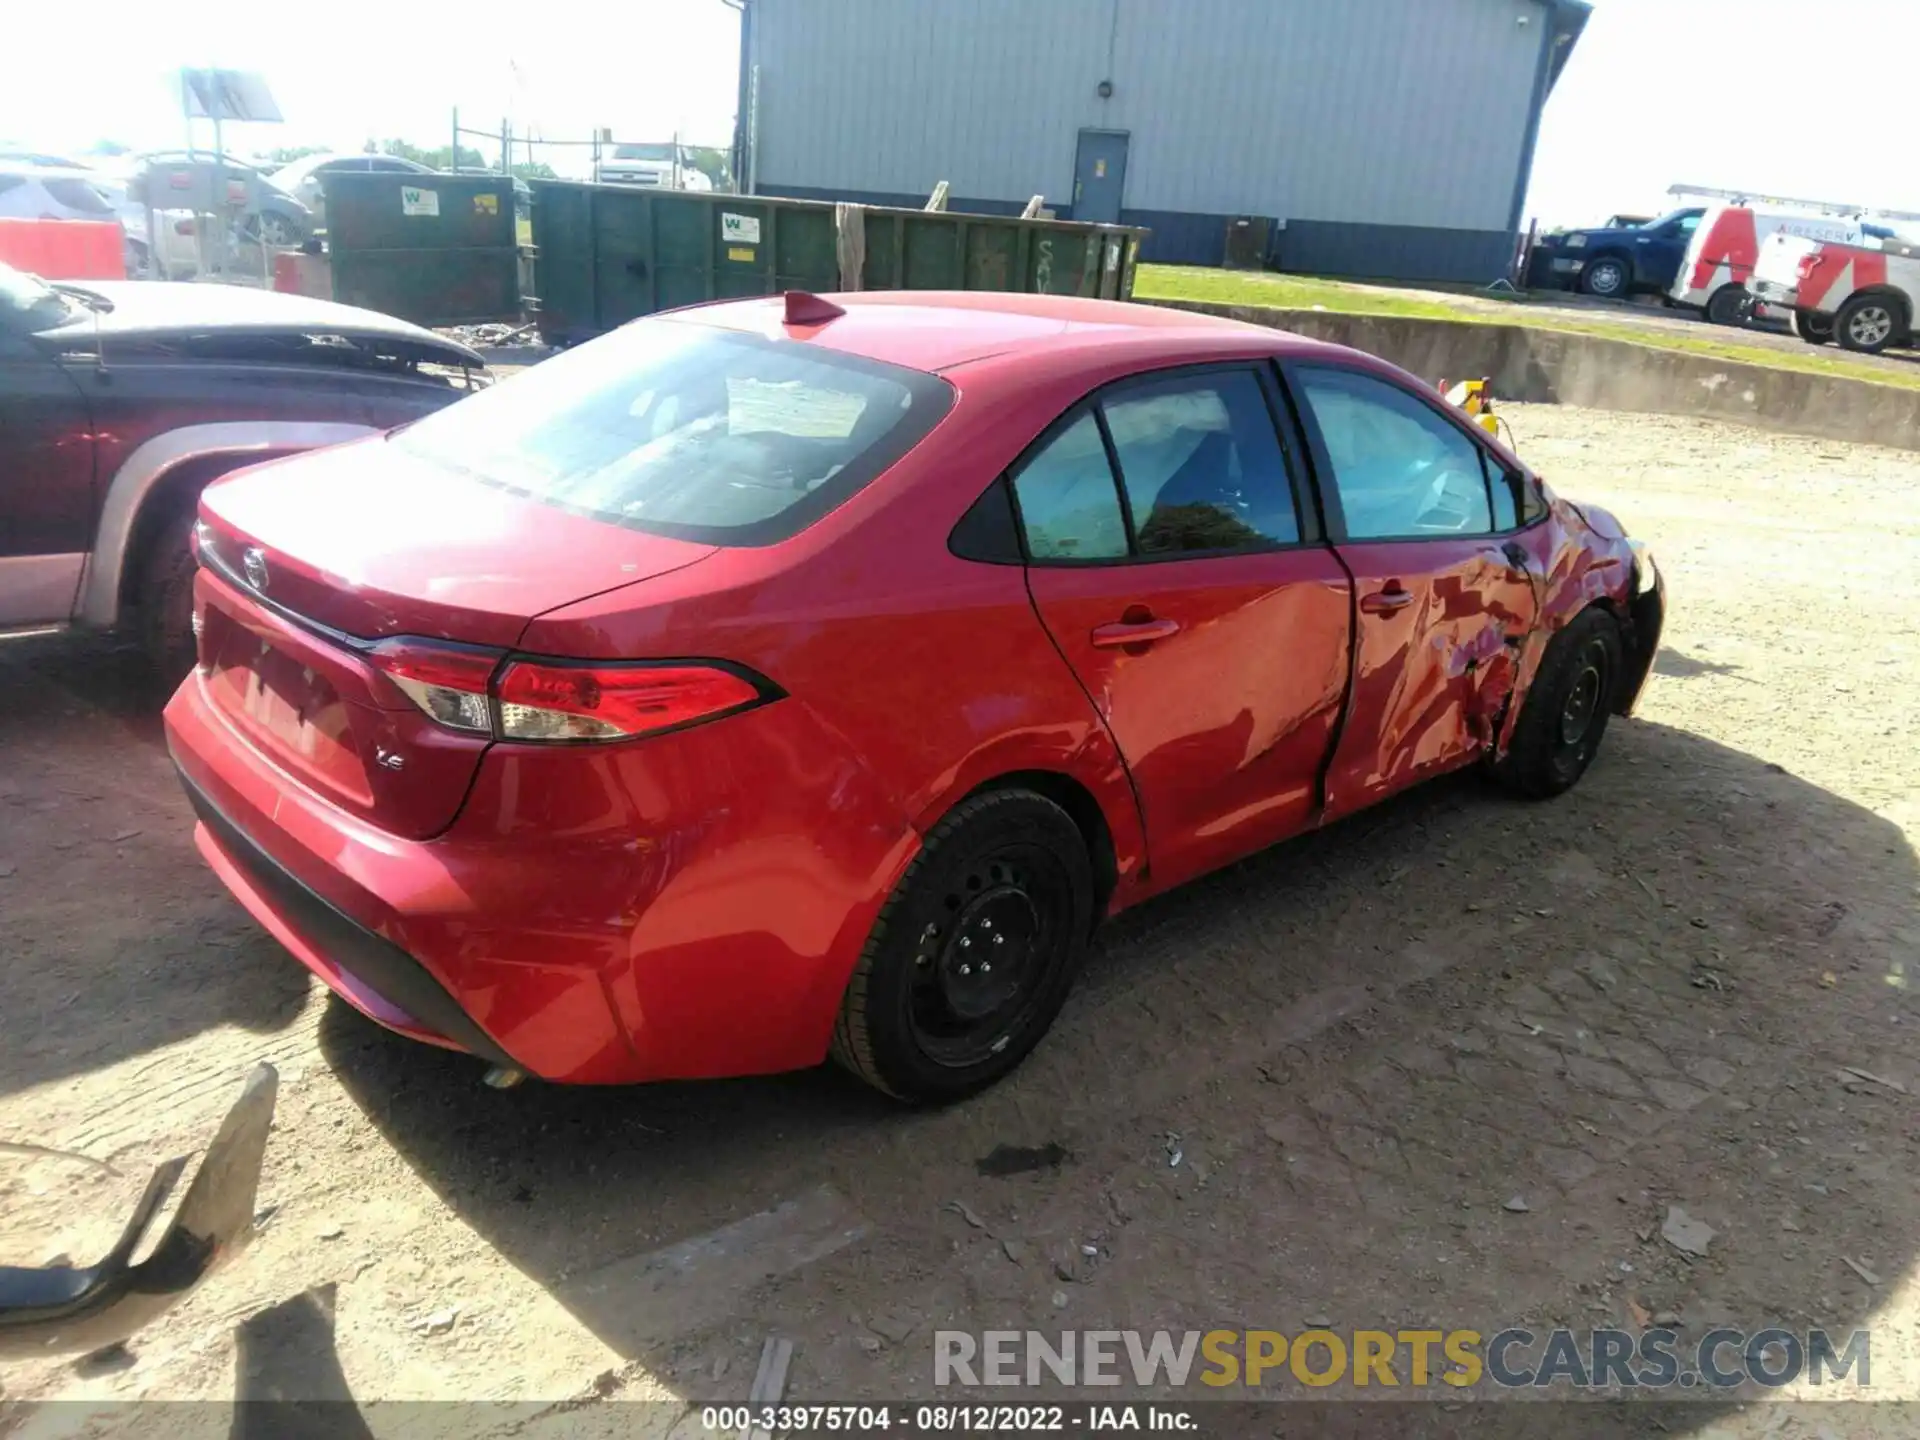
{"points": [[941, 1419]]}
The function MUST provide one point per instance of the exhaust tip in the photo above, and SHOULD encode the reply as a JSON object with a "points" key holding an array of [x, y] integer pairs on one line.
{"points": [[502, 1077]]}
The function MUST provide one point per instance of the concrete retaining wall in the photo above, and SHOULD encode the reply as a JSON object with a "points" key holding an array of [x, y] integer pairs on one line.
{"points": [[1557, 367]]}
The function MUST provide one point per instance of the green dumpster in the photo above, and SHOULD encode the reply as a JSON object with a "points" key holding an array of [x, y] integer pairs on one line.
{"points": [[606, 254], [433, 249]]}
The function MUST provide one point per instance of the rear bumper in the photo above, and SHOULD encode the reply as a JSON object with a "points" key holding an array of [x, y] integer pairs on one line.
{"points": [[1770, 292], [375, 976], [677, 909]]}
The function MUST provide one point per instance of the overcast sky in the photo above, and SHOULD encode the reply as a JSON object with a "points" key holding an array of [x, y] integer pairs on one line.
{"points": [[352, 70], [1778, 95], [1773, 95]]}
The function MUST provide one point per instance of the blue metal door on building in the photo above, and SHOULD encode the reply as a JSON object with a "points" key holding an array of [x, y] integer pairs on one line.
{"points": [[1099, 173]]}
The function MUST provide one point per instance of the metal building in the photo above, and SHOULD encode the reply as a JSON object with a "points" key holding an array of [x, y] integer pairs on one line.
{"points": [[1388, 138]]}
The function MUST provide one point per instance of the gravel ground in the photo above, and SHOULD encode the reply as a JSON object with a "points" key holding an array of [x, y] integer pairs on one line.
{"points": [[1661, 990]]}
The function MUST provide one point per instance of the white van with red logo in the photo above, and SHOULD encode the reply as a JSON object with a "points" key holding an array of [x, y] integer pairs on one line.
{"points": [[1726, 245], [1864, 296]]}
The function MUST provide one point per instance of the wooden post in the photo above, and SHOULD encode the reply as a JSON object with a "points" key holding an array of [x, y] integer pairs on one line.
{"points": [[850, 244]]}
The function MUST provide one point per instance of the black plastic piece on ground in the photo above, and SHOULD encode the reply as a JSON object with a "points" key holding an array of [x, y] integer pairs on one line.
{"points": [[62, 1309]]}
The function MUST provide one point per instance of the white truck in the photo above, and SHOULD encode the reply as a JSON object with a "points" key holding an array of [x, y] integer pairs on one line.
{"points": [[656, 166], [1727, 244], [1865, 296]]}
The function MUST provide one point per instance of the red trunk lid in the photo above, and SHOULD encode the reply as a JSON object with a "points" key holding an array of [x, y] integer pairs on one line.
{"points": [[318, 557]]}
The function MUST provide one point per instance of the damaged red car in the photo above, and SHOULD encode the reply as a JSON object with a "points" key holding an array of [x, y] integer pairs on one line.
{"points": [[802, 676]]}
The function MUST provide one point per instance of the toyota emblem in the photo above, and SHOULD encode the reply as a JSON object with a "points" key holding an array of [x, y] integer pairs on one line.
{"points": [[254, 562]]}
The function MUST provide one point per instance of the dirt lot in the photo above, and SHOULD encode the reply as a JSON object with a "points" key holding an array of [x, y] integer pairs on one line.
{"points": [[1360, 1047]]}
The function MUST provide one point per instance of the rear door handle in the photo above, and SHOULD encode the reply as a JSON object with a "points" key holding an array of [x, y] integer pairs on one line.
{"points": [[1385, 602], [1122, 633]]}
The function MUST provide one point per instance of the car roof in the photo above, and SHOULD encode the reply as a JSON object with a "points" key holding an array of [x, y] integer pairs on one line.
{"points": [[41, 160], [49, 172], [201, 157], [937, 330]]}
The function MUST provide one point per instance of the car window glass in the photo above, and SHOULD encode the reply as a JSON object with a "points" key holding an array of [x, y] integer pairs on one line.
{"points": [[9, 182], [1201, 464], [688, 430], [1069, 507], [1504, 488], [77, 195], [1533, 504], [1400, 470]]}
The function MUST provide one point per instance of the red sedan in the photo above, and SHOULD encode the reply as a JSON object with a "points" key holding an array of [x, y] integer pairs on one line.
{"points": [[790, 677]]}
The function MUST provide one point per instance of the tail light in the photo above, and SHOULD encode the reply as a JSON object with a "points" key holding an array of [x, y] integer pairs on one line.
{"points": [[480, 691], [1809, 263], [449, 684], [540, 701]]}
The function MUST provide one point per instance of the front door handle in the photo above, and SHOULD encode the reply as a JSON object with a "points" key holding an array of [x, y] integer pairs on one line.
{"points": [[1123, 633], [1385, 602]]}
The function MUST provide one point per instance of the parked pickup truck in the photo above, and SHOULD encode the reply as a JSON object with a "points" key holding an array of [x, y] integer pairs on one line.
{"points": [[1863, 296], [120, 401], [1726, 246], [1614, 262]]}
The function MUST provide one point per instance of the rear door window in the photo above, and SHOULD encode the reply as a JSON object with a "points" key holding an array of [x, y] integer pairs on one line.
{"points": [[1068, 503], [686, 430], [1201, 464], [1189, 464]]}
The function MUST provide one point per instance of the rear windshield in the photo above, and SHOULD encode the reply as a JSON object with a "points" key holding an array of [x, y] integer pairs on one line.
{"points": [[688, 431], [643, 152], [77, 195]]}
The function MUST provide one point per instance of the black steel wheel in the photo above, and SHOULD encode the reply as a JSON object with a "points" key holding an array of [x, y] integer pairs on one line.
{"points": [[974, 952], [1564, 716], [1730, 305]]}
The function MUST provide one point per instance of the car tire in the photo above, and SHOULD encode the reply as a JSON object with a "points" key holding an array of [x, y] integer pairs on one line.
{"points": [[1810, 327], [165, 600], [1564, 716], [1729, 306], [1607, 277], [1004, 878], [1867, 324], [275, 231]]}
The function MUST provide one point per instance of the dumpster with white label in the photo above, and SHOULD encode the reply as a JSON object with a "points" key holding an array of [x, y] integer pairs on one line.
{"points": [[607, 254], [433, 249]]}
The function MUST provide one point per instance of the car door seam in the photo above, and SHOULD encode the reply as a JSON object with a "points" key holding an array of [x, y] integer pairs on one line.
{"points": [[1145, 871]]}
